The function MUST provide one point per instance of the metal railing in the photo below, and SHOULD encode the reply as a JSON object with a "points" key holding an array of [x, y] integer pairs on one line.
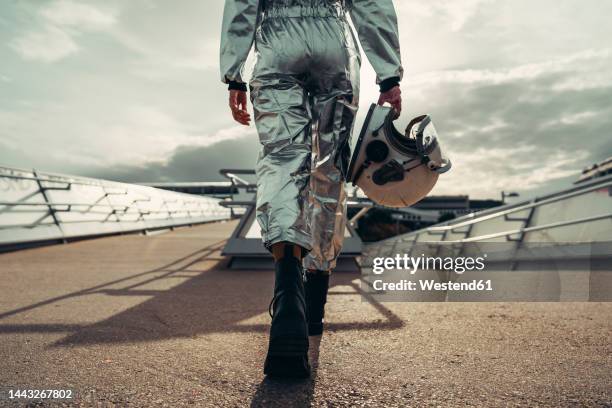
{"points": [[582, 213], [47, 207]]}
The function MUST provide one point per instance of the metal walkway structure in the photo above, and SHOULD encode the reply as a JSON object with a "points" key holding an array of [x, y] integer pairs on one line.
{"points": [[582, 213], [162, 320], [40, 208]]}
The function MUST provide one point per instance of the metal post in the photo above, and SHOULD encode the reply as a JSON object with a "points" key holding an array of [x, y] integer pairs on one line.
{"points": [[51, 210]]}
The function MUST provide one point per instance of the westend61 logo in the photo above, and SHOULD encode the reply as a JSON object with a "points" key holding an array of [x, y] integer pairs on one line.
{"points": [[413, 264]]}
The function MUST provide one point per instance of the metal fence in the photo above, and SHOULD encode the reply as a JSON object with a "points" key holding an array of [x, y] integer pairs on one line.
{"points": [[44, 207], [582, 213]]}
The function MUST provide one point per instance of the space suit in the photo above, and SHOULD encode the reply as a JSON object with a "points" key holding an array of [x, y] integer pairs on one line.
{"points": [[305, 93]]}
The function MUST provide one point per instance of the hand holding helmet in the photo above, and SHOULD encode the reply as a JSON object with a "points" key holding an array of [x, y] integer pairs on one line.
{"points": [[394, 98], [394, 169]]}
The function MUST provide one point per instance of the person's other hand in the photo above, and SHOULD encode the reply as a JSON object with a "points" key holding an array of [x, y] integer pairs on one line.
{"points": [[238, 105], [394, 97]]}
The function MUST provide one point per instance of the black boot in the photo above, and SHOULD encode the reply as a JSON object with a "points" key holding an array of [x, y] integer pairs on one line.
{"points": [[288, 348], [317, 284]]}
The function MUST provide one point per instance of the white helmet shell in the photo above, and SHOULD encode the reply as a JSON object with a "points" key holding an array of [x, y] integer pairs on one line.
{"points": [[392, 169]]}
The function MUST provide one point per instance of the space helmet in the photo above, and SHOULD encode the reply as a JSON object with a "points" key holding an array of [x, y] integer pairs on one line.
{"points": [[395, 169]]}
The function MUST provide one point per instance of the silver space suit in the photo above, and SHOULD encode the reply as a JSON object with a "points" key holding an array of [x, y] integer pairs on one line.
{"points": [[305, 93]]}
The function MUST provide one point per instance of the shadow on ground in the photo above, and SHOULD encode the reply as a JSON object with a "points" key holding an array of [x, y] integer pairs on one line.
{"points": [[213, 299], [210, 299], [274, 392]]}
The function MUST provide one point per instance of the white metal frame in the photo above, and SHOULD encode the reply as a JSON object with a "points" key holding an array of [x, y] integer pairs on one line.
{"points": [[464, 226], [43, 207]]}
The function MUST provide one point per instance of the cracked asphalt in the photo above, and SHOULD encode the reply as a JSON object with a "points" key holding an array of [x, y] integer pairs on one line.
{"points": [[160, 321]]}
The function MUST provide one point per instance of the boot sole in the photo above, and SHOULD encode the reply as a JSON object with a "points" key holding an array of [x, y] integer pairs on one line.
{"points": [[287, 358]]}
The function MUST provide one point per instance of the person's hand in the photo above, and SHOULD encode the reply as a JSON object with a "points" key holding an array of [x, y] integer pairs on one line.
{"points": [[238, 105], [394, 97]]}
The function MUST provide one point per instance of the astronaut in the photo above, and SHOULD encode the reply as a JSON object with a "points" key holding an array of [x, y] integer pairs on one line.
{"points": [[305, 92]]}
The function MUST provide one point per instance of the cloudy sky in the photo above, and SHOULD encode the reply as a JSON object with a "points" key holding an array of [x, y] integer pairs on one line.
{"points": [[520, 91]]}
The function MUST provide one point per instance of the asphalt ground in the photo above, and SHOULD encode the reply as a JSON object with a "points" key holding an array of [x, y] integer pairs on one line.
{"points": [[160, 321]]}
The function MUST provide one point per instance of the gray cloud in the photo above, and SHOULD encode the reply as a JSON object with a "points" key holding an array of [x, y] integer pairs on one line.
{"points": [[519, 90], [188, 163], [519, 128]]}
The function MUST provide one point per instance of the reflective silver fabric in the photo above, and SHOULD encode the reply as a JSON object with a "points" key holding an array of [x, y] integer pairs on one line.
{"points": [[240, 20], [375, 21], [376, 24], [305, 93]]}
